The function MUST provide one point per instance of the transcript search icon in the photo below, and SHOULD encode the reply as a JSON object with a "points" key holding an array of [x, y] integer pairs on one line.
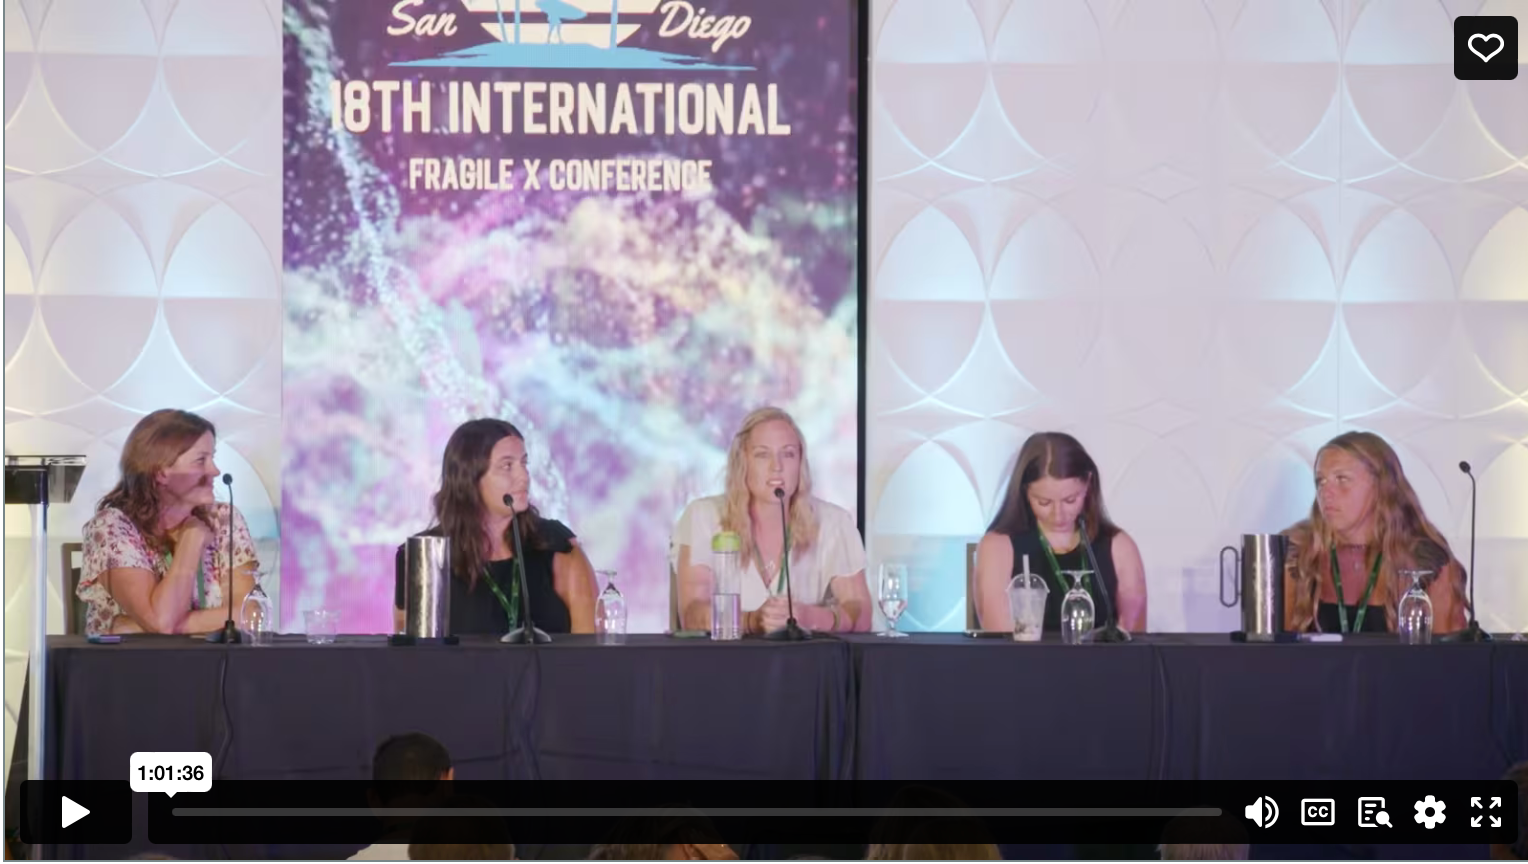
{"points": [[1371, 813]]}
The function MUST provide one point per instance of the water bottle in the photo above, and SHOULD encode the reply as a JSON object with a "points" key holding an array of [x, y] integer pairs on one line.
{"points": [[726, 596], [257, 618], [1414, 614], [610, 613]]}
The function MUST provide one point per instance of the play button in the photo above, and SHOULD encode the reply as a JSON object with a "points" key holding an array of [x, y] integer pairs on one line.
{"points": [[72, 812], [54, 811]]}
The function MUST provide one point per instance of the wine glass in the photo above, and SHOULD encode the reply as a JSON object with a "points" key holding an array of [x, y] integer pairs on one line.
{"points": [[609, 611], [892, 594], [1414, 613], [1076, 609], [257, 616]]}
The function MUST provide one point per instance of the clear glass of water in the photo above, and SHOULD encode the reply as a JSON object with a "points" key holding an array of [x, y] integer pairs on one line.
{"points": [[892, 594], [1414, 613], [609, 612], [322, 625]]}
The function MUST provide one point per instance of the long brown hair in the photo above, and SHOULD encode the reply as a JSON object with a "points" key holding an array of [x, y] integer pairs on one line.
{"points": [[1061, 457], [735, 515], [154, 445], [1402, 533], [459, 509]]}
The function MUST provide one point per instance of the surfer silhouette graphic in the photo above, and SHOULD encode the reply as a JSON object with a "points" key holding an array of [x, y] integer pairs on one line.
{"points": [[558, 11]]}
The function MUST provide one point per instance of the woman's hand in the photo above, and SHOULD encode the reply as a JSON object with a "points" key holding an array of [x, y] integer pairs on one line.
{"points": [[192, 537], [773, 615]]}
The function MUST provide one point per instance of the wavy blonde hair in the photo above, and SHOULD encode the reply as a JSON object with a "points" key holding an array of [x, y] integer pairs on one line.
{"points": [[735, 514], [1402, 533]]}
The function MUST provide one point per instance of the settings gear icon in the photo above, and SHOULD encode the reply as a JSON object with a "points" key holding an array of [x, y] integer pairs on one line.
{"points": [[1430, 812]]}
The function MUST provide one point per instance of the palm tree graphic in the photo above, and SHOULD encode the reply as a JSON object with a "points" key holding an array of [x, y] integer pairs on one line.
{"points": [[556, 11], [498, 6]]}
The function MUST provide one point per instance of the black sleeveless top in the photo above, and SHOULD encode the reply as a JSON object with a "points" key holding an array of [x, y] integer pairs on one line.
{"points": [[475, 611], [1329, 622], [1028, 543]]}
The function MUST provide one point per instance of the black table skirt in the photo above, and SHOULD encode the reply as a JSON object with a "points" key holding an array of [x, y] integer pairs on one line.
{"points": [[653, 709], [932, 707], [942, 707]]}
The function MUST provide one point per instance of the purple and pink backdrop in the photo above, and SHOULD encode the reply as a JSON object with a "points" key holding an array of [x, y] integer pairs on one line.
{"points": [[626, 332]]}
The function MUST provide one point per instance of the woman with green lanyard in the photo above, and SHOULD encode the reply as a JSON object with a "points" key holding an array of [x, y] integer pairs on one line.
{"points": [[828, 592], [1054, 482], [1366, 526], [156, 551]]}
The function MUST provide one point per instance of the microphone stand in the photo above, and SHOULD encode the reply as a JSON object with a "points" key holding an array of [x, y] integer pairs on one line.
{"points": [[792, 631], [1110, 632], [230, 633], [527, 633], [1472, 633]]}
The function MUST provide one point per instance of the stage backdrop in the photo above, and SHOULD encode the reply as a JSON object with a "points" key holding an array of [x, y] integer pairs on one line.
{"points": [[618, 224], [1205, 237]]}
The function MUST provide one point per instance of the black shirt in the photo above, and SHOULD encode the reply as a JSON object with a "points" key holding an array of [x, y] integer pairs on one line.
{"points": [[475, 610], [1329, 622], [1028, 543]]}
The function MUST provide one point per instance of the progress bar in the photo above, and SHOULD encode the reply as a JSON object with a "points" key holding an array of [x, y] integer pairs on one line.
{"points": [[656, 812]]}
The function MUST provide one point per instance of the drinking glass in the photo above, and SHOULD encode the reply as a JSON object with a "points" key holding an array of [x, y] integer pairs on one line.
{"points": [[323, 624], [893, 598], [1076, 609]]}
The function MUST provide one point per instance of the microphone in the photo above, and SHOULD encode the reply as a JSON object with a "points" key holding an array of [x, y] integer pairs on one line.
{"points": [[1110, 632], [527, 633], [792, 631], [1472, 633], [230, 634]]}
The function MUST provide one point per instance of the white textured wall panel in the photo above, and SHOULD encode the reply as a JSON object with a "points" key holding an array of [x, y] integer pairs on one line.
{"points": [[1204, 237]]}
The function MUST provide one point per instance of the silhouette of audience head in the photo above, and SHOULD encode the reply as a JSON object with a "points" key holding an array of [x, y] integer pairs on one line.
{"points": [[1204, 838], [1517, 851], [680, 834], [410, 765], [939, 828], [468, 837]]}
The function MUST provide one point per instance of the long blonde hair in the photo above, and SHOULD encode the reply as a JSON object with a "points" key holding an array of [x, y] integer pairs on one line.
{"points": [[1402, 533], [735, 515]]}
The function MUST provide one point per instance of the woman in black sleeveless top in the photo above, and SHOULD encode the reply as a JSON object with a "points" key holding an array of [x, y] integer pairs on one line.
{"points": [[1053, 493], [485, 460]]}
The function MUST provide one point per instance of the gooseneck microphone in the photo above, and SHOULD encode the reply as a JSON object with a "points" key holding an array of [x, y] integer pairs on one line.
{"points": [[527, 633], [1472, 633], [792, 631], [1110, 632], [230, 632]]}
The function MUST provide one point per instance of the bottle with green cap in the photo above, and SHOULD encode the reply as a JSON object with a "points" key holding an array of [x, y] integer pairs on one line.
{"points": [[727, 587]]}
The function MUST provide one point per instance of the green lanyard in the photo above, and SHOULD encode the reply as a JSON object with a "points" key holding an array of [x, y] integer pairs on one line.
{"points": [[1363, 602], [511, 607], [785, 564], [1056, 565], [201, 582]]}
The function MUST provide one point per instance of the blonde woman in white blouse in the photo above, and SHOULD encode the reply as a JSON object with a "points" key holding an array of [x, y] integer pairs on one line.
{"points": [[827, 561]]}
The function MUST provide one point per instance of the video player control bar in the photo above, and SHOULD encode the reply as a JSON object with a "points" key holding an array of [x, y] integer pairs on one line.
{"points": [[724, 812]]}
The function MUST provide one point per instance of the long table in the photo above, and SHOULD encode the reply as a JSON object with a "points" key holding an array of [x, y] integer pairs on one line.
{"points": [[1188, 707], [931, 707], [652, 709]]}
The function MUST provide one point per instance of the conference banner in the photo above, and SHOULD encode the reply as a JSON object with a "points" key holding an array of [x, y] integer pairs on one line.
{"points": [[618, 224]]}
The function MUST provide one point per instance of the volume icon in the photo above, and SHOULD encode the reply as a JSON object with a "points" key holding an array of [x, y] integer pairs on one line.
{"points": [[1263, 812]]}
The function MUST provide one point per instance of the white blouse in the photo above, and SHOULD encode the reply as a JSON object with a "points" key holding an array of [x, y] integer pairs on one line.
{"points": [[837, 552]]}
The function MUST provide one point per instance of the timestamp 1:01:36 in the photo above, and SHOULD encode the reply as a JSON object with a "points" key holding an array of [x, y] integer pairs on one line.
{"points": [[169, 772]]}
